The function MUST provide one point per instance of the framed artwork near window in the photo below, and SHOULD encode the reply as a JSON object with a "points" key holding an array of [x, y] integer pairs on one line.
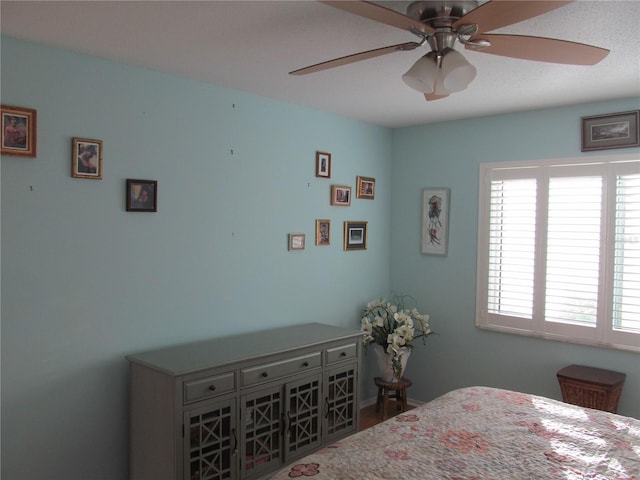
{"points": [[366, 187], [323, 164], [355, 235], [323, 231], [340, 195], [18, 131], [296, 241], [615, 130], [435, 220], [86, 158], [142, 195]]}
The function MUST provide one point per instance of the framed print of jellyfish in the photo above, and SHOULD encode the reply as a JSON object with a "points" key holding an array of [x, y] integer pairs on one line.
{"points": [[435, 220]]}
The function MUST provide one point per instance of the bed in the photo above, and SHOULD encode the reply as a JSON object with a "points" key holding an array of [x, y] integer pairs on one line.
{"points": [[481, 433]]}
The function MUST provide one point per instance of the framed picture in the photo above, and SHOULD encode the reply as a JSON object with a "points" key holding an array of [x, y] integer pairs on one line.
{"points": [[340, 195], [142, 195], [296, 241], [86, 158], [435, 220], [323, 164], [365, 187], [323, 231], [615, 130], [355, 235], [18, 131]]}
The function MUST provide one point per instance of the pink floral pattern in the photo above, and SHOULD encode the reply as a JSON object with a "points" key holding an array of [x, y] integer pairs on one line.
{"points": [[304, 470], [482, 433], [464, 441]]}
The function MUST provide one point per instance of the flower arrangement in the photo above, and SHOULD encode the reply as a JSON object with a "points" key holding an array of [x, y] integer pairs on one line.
{"points": [[392, 326]]}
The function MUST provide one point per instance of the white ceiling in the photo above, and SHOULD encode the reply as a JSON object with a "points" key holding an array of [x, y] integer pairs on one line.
{"points": [[251, 47]]}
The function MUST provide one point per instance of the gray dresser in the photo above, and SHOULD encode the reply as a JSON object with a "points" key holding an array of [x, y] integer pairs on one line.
{"points": [[241, 407]]}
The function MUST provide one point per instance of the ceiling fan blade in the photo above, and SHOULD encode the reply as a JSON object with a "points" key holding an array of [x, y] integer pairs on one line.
{"points": [[500, 13], [381, 14], [356, 57], [542, 49], [432, 96]]}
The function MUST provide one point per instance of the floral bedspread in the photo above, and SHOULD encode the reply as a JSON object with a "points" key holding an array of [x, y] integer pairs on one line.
{"points": [[481, 433]]}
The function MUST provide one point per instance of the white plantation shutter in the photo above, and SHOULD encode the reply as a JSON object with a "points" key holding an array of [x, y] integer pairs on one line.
{"points": [[573, 250], [559, 250], [626, 283], [512, 225]]}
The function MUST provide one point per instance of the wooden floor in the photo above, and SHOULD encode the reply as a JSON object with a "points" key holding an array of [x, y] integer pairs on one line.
{"points": [[369, 417]]}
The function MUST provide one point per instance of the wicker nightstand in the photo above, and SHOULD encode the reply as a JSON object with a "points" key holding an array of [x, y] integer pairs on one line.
{"points": [[591, 387]]}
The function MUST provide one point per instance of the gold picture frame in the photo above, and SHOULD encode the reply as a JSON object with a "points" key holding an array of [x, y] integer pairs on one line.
{"points": [[86, 158], [323, 231], [365, 187], [18, 131], [340, 195], [356, 235], [323, 164]]}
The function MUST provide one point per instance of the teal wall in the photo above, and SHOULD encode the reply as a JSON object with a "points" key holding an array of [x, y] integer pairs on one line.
{"points": [[448, 155], [85, 283]]}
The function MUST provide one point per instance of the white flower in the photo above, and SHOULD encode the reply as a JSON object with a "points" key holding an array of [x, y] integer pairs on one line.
{"points": [[392, 326], [405, 332]]}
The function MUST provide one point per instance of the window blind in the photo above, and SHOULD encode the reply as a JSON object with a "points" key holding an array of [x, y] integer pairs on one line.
{"points": [[559, 250]]}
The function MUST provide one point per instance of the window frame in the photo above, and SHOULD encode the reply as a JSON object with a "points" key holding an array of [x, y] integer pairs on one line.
{"points": [[603, 334]]}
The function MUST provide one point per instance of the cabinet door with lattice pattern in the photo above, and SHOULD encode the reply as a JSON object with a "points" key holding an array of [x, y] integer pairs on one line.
{"points": [[341, 408], [303, 416], [211, 441], [262, 420]]}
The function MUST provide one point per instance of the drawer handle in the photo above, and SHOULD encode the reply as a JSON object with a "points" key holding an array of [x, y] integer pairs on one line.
{"points": [[343, 354], [305, 364], [265, 374], [212, 388]]}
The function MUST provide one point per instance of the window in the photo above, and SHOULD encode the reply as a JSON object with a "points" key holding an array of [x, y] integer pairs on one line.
{"points": [[559, 250]]}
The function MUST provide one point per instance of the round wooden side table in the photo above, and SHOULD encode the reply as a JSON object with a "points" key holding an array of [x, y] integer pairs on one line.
{"points": [[391, 390]]}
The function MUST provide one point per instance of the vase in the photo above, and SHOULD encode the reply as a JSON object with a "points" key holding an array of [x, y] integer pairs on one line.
{"points": [[385, 363]]}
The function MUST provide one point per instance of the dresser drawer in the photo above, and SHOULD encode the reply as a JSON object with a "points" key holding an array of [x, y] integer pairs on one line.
{"points": [[206, 387], [343, 352], [262, 373]]}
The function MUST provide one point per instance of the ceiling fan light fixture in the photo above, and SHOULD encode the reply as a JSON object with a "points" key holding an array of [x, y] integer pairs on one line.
{"points": [[422, 75], [452, 75], [457, 72]]}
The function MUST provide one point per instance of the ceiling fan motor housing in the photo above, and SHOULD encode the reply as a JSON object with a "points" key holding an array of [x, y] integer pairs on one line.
{"points": [[439, 14]]}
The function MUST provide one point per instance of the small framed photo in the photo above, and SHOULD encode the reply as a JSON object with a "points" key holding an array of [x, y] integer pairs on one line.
{"points": [[142, 195], [296, 241], [435, 221], [615, 130], [18, 131], [355, 235], [365, 187], [323, 231], [323, 164], [340, 195], [86, 158]]}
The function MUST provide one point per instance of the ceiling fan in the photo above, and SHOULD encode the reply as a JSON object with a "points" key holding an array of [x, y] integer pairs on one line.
{"points": [[440, 23]]}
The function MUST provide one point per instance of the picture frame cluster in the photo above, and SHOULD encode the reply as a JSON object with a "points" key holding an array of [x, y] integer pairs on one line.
{"points": [[355, 233], [18, 138]]}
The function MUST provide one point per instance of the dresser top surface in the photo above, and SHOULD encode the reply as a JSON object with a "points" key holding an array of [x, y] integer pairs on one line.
{"points": [[191, 357]]}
